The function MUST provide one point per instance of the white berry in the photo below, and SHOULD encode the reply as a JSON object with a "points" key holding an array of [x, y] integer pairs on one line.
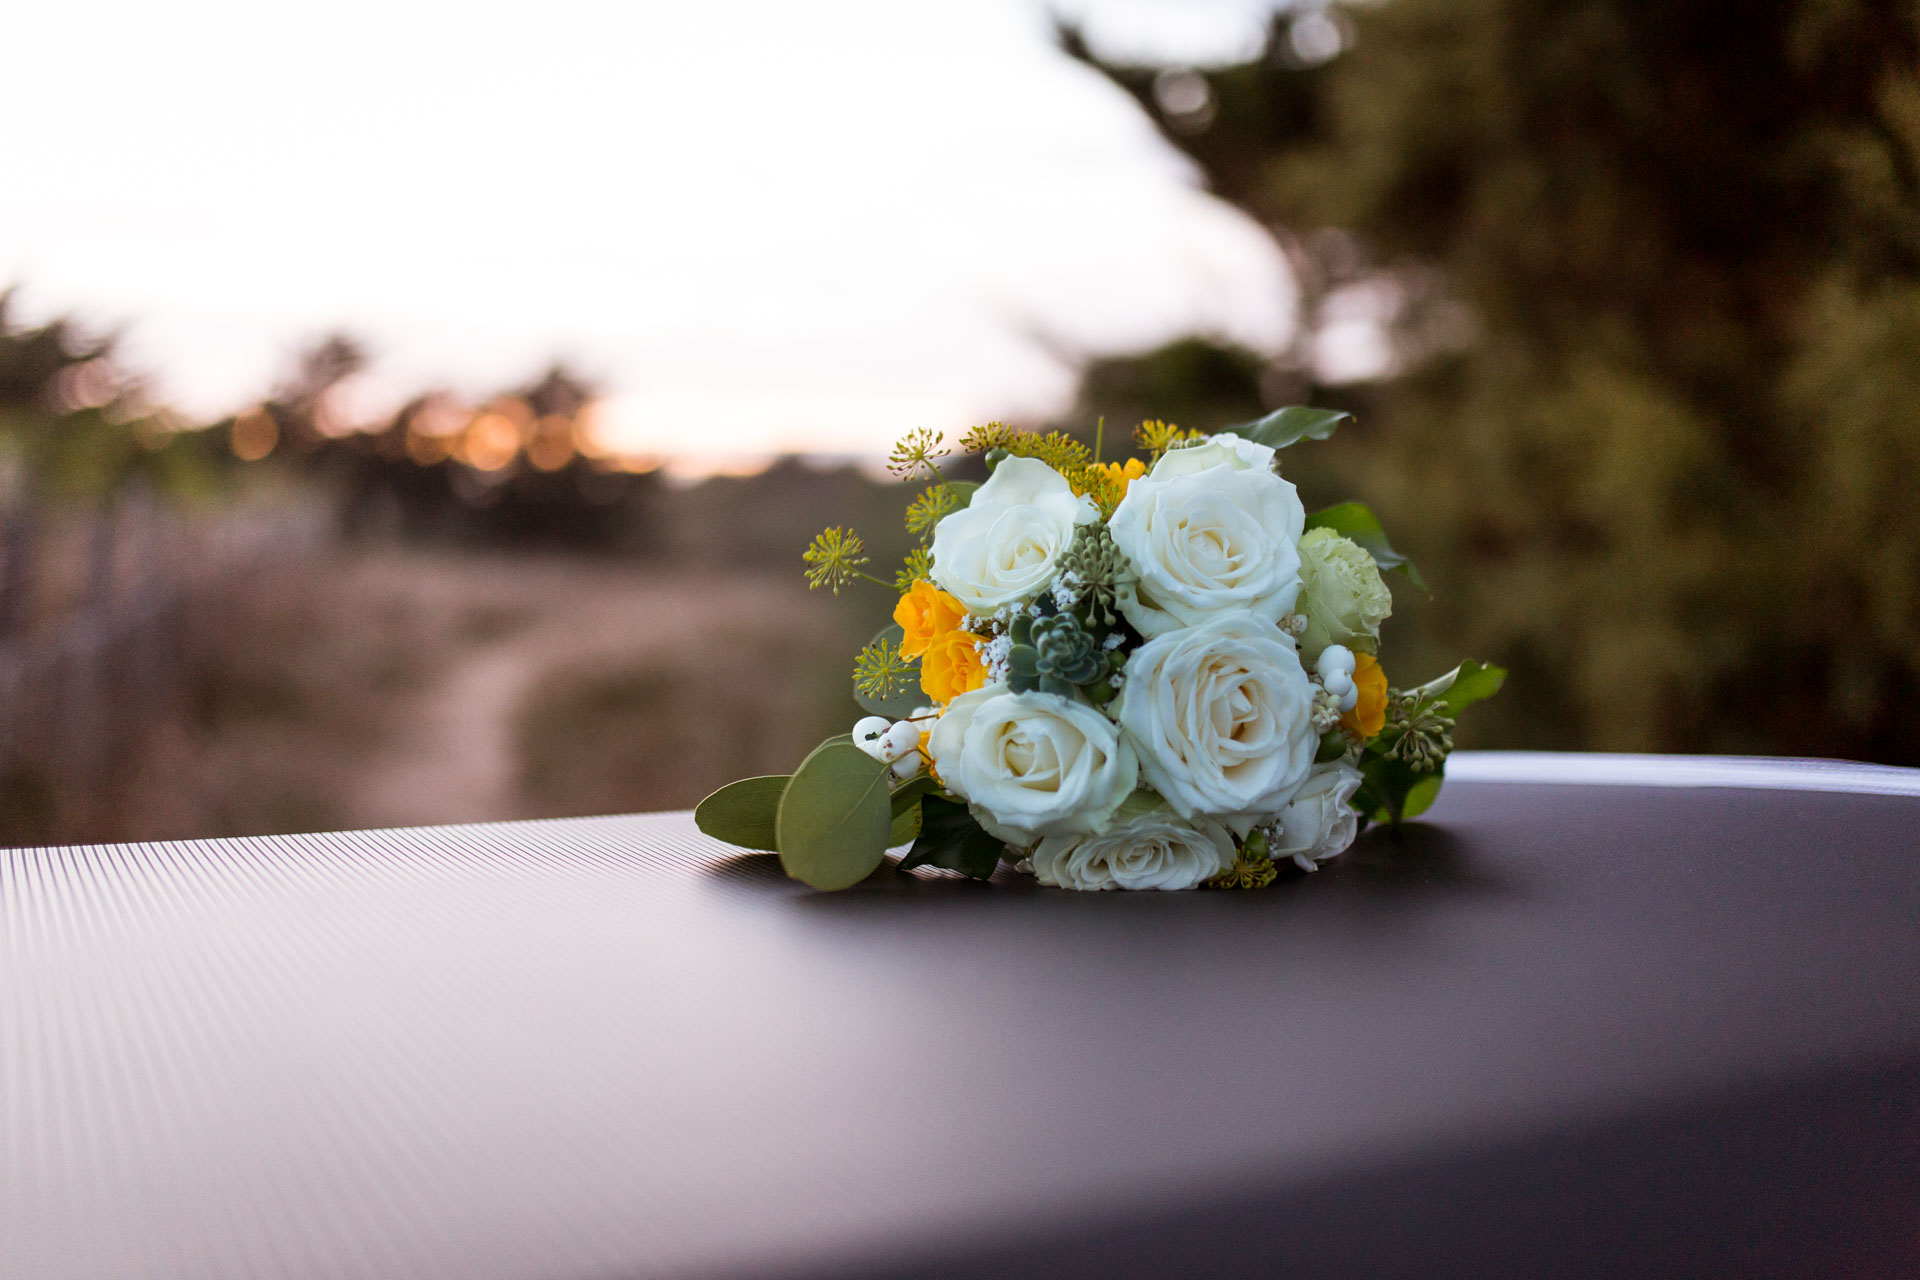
{"points": [[870, 735], [1335, 657], [900, 740]]}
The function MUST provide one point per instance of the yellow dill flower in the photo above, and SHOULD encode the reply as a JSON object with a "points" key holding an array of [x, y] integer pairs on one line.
{"points": [[1252, 868]]}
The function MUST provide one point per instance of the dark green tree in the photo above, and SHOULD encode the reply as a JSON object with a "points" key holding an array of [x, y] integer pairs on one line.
{"points": [[1651, 270]]}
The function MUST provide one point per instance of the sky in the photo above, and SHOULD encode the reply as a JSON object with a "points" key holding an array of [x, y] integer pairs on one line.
{"points": [[760, 226]]}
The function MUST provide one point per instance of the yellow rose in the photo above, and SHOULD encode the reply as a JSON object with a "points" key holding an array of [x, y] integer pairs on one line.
{"points": [[926, 613], [951, 666], [1369, 715]]}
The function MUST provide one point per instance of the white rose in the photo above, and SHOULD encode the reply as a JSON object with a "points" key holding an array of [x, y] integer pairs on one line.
{"points": [[1341, 593], [1221, 449], [1319, 822], [1001, 548], [1032, 764], [1209, 530], [1222, 716], [1147, 847]]}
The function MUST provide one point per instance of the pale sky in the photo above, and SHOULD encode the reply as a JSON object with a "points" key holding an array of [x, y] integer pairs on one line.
{"points": [[762, 225]]}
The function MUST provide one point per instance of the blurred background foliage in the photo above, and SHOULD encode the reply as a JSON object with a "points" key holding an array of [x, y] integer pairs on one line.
{"points": [[1636, 291], [1650, 417]]}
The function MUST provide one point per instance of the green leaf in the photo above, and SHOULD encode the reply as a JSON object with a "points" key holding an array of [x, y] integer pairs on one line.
{"points": [[1421, 795], [1356, 521], [1291, 425], [1466, 684], [1391, 791], [908, 793], [951, 839], [743, 813], [835, 816], [902, 704], [962, 490], [906, 808]]}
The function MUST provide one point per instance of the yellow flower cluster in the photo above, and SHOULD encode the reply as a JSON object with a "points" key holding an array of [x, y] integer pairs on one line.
{"points": [[950, 663], [1106, 482]]}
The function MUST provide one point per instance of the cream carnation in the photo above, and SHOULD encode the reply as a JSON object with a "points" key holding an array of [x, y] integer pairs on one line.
{"points": [[1319, 821], [1003, 546], [1147, 847], [1222, 717], [1341, 593], [1210, 530], [1032, 764]]}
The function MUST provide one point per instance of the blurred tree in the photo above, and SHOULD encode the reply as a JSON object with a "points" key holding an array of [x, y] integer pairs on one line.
{"points": [[75, 425], [1212, 384], [1651, 274], [76, 430]]}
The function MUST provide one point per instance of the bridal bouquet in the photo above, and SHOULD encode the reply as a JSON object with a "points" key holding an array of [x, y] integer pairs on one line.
{"points": [[1151, 674]]}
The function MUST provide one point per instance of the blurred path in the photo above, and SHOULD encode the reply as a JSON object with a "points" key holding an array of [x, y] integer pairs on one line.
{"points": [[507, 629], [453, 758], [405, 686]]}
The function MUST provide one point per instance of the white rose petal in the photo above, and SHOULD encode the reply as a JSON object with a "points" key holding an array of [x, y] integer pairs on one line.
{"points": [[1207, 541], [1003, 546], [1032, 764], [1320, 821], [1147, 847], [1223, 448], [1222, 717]]}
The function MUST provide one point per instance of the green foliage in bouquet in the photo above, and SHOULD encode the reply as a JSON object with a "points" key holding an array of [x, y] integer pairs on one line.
{"points": [[1047, 634], [1405, 763]]}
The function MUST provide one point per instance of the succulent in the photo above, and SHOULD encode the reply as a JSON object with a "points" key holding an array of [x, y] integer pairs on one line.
{"points": [[1054, 654]]}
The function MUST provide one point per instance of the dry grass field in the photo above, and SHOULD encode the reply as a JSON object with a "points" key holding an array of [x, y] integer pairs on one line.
{"points": [[400, 687]]}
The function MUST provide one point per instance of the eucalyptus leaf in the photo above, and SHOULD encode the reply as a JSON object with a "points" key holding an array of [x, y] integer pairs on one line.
{"points": [[743, 813], [1355, 521], [905, 828], [1466, 684], [835, 816], [950, 838], [963, 490], [1291, 425], [902, 704]]}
